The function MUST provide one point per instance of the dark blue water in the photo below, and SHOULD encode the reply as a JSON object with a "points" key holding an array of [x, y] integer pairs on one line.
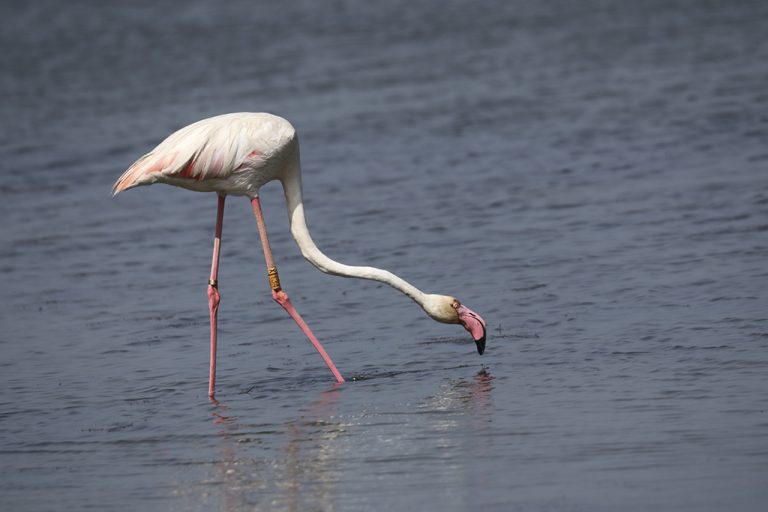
{"points": [[589, 176]]}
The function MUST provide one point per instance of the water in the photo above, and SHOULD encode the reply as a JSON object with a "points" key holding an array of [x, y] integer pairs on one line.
{"points": [[589, 176]]}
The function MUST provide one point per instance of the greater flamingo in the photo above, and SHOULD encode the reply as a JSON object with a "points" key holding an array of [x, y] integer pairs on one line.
{"points": [[235, 154]]}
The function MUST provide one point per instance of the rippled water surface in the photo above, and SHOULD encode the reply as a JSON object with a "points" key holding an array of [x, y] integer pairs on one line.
{"points": [[589, 176]]}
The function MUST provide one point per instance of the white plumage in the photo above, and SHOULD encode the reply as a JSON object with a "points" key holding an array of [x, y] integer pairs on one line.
{"points": [[231, 153]]}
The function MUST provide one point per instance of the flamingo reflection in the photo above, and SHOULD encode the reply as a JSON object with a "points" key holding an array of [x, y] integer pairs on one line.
{"points": [[300, 475]]}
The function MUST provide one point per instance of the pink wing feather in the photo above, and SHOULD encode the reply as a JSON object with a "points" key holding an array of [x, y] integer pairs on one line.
{"points": [[200, 151]]}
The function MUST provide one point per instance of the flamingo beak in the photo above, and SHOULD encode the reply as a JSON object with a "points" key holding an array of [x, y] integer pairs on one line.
{"points": [[475, 324]]}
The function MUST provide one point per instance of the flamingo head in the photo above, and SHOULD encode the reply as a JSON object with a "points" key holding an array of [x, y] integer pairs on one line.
{"points": [[449, 310]]}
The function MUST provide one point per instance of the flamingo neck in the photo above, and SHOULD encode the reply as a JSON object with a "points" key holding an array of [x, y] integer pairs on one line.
{"points": [[295, 202]]}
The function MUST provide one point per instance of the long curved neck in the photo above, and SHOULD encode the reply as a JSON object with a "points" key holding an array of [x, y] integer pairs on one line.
{"points": [[293, 197]]}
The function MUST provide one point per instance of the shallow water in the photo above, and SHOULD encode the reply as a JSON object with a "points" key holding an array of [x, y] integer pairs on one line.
{"points": [[590, 177]]}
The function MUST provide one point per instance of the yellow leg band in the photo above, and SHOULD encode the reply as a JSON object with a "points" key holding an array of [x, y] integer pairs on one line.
{"points": [[274, 279]]}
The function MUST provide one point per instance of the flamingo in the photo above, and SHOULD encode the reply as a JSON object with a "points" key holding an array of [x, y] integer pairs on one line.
{"points": [[235, 154]]}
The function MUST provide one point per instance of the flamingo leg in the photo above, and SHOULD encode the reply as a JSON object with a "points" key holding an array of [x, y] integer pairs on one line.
{"points": [[279, 295], [213, 293]]}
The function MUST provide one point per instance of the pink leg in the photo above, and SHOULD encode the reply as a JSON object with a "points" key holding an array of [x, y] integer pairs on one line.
{"points": [[213, 294], [279, 294]]}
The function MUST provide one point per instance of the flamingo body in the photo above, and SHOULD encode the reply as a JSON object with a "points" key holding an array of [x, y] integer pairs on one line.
{"points": [[232, 154], [235, 154]]}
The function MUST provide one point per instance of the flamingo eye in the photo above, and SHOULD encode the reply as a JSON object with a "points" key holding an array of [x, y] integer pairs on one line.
{"points": [[455, 304]]}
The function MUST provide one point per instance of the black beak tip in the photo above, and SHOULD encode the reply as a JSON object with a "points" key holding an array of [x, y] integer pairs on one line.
{"points": [[480, 344]]}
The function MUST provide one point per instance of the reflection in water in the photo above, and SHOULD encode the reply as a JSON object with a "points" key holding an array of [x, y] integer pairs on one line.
{"points": [[296, 465], [480, 395], [472, 398], [256, 472], [460, 417]]}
